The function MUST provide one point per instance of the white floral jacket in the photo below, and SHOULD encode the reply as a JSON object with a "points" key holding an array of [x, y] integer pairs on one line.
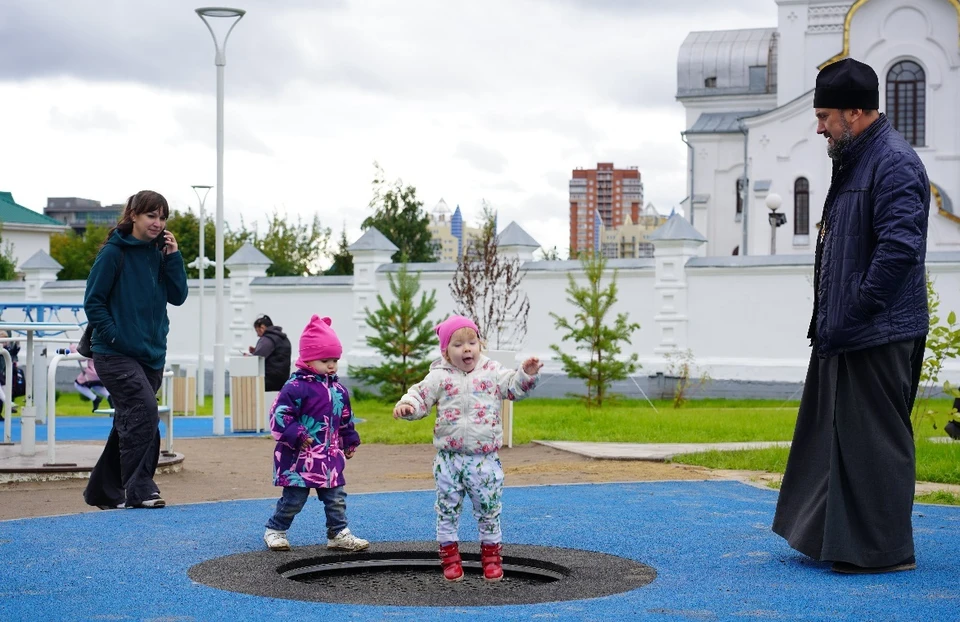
{"points": [[468, 405]]}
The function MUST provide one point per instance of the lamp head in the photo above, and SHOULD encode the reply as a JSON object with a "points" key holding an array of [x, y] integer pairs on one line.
{"points": [[774, 201]]}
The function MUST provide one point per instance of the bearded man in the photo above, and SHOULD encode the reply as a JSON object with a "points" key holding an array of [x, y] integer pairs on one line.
{"points": [[847, 493]]}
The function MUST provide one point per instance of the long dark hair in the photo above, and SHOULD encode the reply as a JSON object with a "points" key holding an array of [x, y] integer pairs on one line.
{"points": [[143, 202]]}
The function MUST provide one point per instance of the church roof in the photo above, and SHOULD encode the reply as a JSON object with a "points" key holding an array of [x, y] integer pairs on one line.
{"points": [[719, 62], [441, 207], [373, 240], [12, 212], [720, 122]]}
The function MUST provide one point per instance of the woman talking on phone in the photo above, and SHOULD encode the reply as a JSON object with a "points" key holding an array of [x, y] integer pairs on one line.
{"points": [[138, 271]]}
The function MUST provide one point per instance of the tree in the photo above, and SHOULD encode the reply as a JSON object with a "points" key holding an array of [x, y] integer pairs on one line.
{"points": [[943, 342], [591, 332], [76, 253], [400, 217], [402, 334], [552, 254], [342, 259], [8, 263], [295, 250], [486, 287], [185, 226]]}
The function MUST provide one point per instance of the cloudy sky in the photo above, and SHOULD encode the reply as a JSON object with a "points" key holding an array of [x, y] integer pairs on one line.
{"points": [[495, 100]]}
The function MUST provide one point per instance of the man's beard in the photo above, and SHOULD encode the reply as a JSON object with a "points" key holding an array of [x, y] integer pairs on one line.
{"points": [[839, 144]]}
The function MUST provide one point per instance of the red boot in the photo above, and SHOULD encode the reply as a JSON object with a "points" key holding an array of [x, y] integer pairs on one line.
{"points": [[450, 562], [491, 561]]}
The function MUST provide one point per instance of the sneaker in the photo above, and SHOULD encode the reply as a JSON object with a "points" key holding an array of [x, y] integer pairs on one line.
{"points": [[346, 541], [119, 506], [276, 540], [153, 502], [96, 403], [847, 568]]}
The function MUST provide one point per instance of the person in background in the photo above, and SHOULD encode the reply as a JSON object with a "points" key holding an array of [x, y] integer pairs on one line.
{"points": [[274, 346]]}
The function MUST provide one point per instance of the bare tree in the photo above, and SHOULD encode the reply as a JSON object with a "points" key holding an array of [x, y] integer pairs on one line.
{"points": [[486, 287]]}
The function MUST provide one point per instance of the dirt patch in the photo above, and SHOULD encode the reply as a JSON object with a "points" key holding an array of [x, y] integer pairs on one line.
{"points": [[220, 469]]}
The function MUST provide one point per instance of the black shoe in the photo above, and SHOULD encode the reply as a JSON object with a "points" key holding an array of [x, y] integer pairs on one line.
{"points": [[96, 403], [909, 563], [110, 401]]}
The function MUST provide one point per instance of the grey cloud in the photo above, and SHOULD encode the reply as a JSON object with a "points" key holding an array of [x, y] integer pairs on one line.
{"points": [[198, 125], [93, 119], [559, 180], [480, 157], [507, 185], [657, 7]]}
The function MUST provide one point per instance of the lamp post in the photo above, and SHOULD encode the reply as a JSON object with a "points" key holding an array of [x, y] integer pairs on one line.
{"points": [[776, 219], [202, 268], [220, 60]]}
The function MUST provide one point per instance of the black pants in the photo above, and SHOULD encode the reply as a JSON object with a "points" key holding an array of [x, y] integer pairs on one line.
{"points": [[847, 493], [124, 473]]}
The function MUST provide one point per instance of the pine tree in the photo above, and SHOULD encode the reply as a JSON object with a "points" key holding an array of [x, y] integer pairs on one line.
{"points": [[342, 259], [591, 332], [402, 334]]}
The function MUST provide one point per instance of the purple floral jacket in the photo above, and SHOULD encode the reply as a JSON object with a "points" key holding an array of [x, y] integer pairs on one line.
{"points": [[318, 406]]}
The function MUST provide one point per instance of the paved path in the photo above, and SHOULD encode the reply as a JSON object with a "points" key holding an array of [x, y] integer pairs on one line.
{"points": [[650, 451]]}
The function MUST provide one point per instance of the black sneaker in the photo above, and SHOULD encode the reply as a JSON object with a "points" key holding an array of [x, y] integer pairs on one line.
{"points": [[909, 563], [96, 403]]}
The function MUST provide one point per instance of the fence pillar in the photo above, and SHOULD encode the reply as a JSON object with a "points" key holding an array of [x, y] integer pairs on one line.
{"points": [[675, 243], [370, 251]]}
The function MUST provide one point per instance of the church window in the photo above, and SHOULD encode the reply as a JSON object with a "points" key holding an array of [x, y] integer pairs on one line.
{"points": [[710, 83], [739, 195], [907, 101], [801, 206]]}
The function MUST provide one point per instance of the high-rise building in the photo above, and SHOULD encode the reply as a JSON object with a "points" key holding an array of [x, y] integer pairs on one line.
{"points": [[604, 196]]}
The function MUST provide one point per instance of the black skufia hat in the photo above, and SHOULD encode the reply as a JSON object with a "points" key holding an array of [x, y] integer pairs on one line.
{"points": [[846, 84]]}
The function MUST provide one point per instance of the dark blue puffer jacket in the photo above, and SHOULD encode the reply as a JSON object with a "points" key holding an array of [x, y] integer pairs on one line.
{"points": [[869, 279]]}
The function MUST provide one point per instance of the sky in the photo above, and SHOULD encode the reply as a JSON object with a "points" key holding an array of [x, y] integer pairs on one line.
{"points": [[467, 101]]}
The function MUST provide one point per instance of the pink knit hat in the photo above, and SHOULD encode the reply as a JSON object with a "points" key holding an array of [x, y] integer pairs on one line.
{"points": [[452, 324], [318, 341]]}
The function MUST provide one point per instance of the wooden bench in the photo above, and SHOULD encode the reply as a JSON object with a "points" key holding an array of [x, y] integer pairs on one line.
{"points": [[165, 413]]}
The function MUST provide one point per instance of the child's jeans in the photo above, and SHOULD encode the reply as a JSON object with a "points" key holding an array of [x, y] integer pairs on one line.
{"points": [[480, 477], [295, 497]]}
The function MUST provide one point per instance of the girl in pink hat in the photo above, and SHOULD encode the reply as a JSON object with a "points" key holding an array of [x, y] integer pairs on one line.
{"points": [[313, 424], [467, 388]]}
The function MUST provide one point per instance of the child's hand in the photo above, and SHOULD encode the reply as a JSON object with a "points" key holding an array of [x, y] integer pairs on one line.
{"points": [[349, 453], [531, 366], [402, 409], [306, 443]]}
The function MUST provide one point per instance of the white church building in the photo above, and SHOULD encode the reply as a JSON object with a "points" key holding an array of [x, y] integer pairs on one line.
{"points": [[751, 130]]}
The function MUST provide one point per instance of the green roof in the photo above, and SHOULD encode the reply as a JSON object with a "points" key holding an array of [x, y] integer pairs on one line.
{"points": [[12, 212]]}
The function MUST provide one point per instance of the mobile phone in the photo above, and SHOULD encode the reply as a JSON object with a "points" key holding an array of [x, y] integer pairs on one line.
{"points": [[161, 240]]}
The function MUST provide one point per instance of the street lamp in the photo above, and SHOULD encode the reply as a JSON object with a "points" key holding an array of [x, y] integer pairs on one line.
{"points": [[202, 263], [776, 219], [220, 60]]}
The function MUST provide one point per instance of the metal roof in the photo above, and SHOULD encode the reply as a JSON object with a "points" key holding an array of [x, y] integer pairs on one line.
{"points": [[676, 228], [12, 212], [41, 261], [248, 254], [720, 122], [514, 235], [726, 56], [373, 240]]}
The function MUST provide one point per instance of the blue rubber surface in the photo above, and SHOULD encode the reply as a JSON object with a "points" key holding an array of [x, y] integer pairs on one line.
{"points": [[710, 543], [96, 428]]}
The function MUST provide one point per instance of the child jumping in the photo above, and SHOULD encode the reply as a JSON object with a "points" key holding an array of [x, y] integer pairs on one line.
{"points": [[89, 385], [467, 388], [312, 422]]}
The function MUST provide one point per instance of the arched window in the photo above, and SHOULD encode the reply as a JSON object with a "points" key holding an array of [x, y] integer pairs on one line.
{"points": [[801, 206], [907, 101]]}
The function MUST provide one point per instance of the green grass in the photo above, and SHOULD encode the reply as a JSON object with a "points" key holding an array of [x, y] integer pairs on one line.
{"points": [[936, 462], [940, 497], [627, 421]]}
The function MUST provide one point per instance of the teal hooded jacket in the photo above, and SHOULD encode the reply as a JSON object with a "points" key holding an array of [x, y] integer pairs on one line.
{"points": [[130, 318]]}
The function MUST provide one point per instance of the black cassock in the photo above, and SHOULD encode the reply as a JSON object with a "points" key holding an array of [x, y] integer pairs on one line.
{"points": [[847, 493]]}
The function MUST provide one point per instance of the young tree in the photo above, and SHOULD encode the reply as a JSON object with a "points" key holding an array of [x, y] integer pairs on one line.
{"points": [[8, 264], [342, 259], [943, 342], [76, 253], [486, 288], [400, 217], [402, 334], [592, 332]]}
